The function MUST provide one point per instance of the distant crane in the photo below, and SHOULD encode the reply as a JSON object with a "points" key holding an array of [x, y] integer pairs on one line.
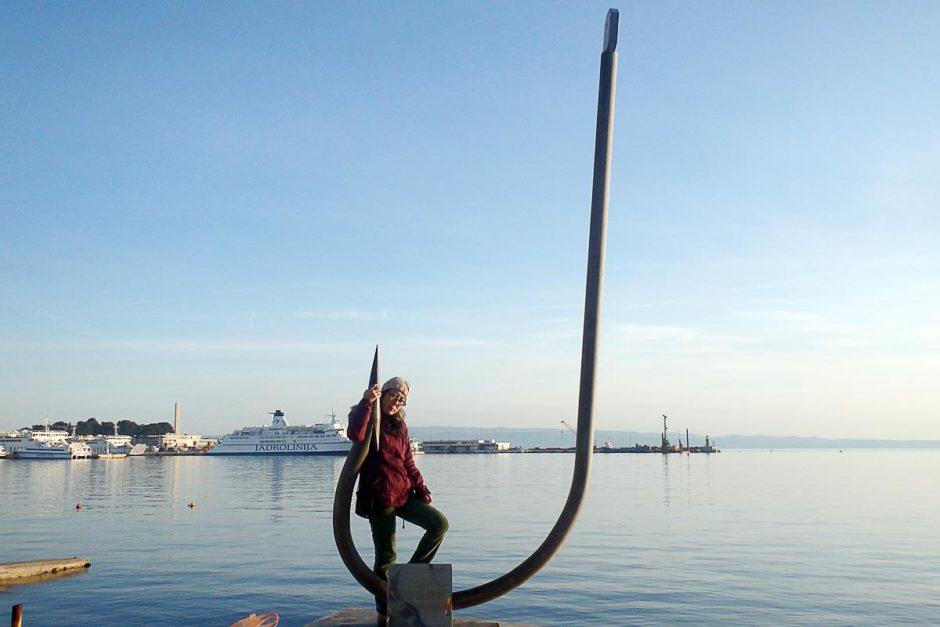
{"points": [[665, 444], [575, 432]]}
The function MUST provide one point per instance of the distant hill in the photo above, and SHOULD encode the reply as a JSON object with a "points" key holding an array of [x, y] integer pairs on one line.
{"points": [[552, 437]]}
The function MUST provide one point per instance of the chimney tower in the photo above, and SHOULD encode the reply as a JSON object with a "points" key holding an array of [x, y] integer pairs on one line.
{"points": [[176, 419]]}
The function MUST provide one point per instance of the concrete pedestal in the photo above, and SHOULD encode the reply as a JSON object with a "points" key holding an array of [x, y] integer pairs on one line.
{"points": [[419, 595]]}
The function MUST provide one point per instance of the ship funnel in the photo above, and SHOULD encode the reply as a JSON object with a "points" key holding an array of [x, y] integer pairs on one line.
{"points": [[279, 419]]}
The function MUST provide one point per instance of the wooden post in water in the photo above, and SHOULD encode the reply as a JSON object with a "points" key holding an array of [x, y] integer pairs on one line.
{"points": [[17, 619]]}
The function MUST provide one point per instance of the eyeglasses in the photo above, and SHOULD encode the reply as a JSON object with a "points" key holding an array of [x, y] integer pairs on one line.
{"points": [[397, 397]]}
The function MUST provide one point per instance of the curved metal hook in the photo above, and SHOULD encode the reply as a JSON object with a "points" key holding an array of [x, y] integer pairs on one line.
{"points": [[342, 500], [585, 435], [592, 298]]}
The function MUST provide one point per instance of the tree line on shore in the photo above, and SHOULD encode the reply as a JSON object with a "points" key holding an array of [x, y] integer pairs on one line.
{"points": [[125, 427]]}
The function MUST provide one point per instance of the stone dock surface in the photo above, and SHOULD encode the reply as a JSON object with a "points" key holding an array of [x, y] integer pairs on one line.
{"points": [[37, 568], [362, 617]]}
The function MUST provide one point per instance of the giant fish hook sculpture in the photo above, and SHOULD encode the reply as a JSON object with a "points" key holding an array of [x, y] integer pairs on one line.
{"points": [[585, 432]]}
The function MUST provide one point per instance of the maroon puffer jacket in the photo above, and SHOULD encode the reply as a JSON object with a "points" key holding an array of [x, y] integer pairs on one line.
{"points": [[389, 474]]}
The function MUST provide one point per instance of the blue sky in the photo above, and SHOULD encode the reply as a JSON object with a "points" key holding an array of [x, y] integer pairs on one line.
{"points": [[229, 205]]}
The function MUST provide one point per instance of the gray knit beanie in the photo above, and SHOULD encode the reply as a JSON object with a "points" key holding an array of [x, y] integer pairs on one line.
{"points": [[397, 383]]}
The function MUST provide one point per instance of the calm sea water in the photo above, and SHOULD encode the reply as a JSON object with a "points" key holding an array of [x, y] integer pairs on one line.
{"points": [[742, 537]]}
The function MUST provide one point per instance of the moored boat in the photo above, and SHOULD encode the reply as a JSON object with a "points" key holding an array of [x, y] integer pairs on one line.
{"points": [[55, 450], [109, 445], [282, 438], [16, 441]]}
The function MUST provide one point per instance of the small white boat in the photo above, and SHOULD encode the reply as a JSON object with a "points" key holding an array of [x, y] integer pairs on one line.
{"points": [[108, 445], [60, 449], [3, 451]]}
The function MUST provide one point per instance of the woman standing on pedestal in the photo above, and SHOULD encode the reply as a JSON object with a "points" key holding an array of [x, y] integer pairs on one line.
{"points": [[390, 485]]}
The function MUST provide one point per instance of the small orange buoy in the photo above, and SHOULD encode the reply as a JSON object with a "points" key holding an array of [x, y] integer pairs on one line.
{"points": [[78, 506], [267, 619]]}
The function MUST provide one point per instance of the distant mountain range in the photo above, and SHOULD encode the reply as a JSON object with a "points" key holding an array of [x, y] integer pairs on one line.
{"points": [[553, 437]]}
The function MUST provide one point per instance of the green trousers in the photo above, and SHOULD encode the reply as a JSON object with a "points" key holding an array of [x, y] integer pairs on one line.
{"points": [[383, 536]]}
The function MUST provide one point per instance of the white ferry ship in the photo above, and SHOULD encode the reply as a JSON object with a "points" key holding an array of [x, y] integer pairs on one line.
{"points": [[61, 449], [16, 441], [282, 438]]}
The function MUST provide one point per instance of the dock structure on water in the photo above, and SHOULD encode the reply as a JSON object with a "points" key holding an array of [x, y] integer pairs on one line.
{"points": [[465, 446], [13, 571]]}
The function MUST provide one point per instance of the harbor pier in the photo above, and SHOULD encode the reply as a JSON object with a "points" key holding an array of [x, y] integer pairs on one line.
{"points": [[364, 617], [38, 568]]}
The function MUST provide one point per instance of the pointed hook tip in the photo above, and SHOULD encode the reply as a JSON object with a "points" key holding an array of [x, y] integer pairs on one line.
{"points": [[611, 29]]}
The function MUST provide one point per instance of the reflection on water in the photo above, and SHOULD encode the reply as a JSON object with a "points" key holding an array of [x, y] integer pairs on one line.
{"points": [[794, 537], [666, 494], [10, 585]]}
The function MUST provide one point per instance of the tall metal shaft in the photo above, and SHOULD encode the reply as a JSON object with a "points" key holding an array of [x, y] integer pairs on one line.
{"points": [[342, 500], [592, 306]]}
